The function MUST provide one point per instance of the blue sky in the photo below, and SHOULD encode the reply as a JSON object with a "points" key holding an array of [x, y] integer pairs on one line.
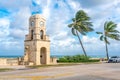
{"points": [[14, 15]]}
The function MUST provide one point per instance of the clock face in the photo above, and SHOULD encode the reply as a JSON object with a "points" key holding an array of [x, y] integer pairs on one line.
{"points": [[41, 23], [32, 23]]}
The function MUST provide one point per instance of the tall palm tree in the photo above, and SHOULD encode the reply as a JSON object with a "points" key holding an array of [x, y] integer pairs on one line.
{"points": [[109, 32], [82, 25]]}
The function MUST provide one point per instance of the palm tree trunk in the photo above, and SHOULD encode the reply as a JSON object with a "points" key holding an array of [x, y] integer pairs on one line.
{"points": [[107, 51], [81, 44]]}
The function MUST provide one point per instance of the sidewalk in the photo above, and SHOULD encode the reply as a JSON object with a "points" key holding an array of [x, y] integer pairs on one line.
{"points": [[13, 67]]}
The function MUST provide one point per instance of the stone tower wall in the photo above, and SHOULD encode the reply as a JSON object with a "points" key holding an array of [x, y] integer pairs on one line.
{"points": [[37, 43]]}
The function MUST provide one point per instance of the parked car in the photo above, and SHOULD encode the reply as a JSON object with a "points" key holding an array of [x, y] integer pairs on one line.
{"points": [[114, 59]]}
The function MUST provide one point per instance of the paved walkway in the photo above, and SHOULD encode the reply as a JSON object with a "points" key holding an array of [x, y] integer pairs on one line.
{"points": [[13, 67], [104, 71]]}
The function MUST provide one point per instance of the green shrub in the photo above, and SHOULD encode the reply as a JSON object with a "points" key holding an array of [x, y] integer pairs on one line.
{"points": [[76, 58]]}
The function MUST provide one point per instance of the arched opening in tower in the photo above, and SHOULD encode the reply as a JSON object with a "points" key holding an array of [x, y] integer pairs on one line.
{"points": [[43, 55], [32, 33], [41, 34]]}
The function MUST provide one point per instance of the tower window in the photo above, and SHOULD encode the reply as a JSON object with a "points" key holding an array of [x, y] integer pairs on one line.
{"points": [[41, 34], [32, 23], [32, 33], [41, 23]]}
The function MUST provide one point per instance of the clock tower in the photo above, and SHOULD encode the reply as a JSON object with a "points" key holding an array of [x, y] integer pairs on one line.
{"points": [[37, 43]]}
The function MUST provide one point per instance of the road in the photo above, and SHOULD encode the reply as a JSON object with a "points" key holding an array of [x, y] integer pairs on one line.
{"points": [[103, 71]]}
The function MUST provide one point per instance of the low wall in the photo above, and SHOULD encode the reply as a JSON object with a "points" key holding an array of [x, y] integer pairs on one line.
{"points": [[3, 61], [8, 61], [53, 60]]}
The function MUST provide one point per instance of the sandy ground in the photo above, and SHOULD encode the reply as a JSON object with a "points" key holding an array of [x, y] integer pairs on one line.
{"points": [[104, 71]]}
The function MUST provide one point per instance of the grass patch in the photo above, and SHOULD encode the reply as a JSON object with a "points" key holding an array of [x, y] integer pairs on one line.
{"points": [[5, 69]]}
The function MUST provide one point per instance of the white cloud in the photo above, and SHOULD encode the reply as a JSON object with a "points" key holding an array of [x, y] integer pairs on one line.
{"points": [[46, 9], [62, 41], [8, 44], [13, 28], [17, 33], [37, 1], [93, 44], [14, 5], [4, 27], [118, 26], [20, 19], [20, 23], [6, 41], [74, 5], [89, 40]]}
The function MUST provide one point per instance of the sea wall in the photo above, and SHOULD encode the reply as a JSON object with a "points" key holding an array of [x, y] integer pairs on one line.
{"points": [[9, 61]]}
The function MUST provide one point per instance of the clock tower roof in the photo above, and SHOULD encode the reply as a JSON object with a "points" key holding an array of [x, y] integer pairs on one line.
{"points": [[37, 16]]}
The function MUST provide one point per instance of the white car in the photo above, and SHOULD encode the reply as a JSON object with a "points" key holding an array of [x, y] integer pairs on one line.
{"points": [[114, 59]]}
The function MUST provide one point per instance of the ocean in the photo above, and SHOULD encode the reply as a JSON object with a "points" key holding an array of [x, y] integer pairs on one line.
{"points": [[9, 56], [57, 56]]}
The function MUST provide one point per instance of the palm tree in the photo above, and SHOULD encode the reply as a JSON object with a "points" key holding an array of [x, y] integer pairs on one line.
{"points": [[109, 32], [80, 24]]}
